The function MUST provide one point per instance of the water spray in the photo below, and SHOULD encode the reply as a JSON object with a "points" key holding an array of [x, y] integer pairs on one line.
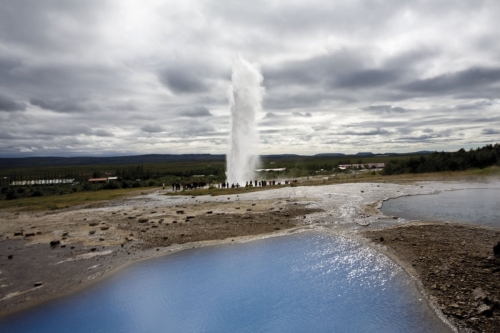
{"points": [[245, 99]]}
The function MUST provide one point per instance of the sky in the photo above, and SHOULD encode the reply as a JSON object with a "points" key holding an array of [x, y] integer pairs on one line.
{"points": [[122, 77]]}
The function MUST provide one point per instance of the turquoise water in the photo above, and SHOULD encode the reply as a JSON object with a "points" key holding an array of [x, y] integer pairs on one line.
{"points": [[307, 282], [474, 206]]}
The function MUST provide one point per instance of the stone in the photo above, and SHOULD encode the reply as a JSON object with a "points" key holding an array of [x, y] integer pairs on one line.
{"points": [[382, 239], [143, 220], [91, 232], [93, 224], [478, 294], [55, 243], [496, 250], [484, 310], [209, 212], [10, 256], [180, 212], [38, 284], [18, 233], [93, 249], [30, 234], [105, 228]]}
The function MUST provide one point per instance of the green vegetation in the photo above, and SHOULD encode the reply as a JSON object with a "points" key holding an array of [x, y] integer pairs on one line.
{"points": [[314, 170], [480, 158], [64, 201]]}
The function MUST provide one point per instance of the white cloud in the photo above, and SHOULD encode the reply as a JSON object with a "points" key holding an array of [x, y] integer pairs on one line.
{"points": [[343, 76]]}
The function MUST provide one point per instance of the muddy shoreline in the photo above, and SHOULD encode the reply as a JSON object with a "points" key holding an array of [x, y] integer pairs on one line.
{"points": [[455, 265], [93, 244], [97, 242]]}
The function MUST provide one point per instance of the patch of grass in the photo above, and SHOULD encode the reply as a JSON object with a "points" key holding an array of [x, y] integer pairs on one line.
{"points": [[65, 200]]}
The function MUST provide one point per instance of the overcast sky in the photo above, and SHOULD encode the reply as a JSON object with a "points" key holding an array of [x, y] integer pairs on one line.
{"points": [[135, 77]]}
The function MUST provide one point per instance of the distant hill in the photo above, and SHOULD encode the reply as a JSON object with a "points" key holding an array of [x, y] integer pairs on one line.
{"points": [[87, 160], [329, 154], [21, 162]]}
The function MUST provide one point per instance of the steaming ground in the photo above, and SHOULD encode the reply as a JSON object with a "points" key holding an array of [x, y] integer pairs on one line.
{"points": [[95, 241]]}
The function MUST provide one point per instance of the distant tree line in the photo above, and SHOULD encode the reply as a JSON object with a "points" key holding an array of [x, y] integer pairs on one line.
{"points": [[486, 156]]}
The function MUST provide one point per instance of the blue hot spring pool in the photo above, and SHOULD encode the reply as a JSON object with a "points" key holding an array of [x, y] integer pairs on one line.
{"points": [[475, 206], [305, 282]]}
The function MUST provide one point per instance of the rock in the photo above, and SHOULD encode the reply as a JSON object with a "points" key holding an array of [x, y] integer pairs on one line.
{"points": [[161, 221], [30, 234], [101, 239], [484, 310], [189, 217], [93, 249], [93, 224], [253, 204], [209, 212], [249, 209], [38, 284], [65, 234], [143, 220], [382, 239], [180, 212], [38, 232], [91, 232], [55, 243], [478, 294], [64, 245], [18, 233], [105, 228], [496, 250], [10, 256]]}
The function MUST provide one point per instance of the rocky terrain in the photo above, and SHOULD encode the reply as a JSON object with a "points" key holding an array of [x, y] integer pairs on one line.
{"points": [[456, 266], [49, 254]]}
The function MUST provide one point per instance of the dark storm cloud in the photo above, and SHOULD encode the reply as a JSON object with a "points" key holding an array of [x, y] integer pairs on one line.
{"points": [[195, 112], [376, 131], [183, 81], [307, 99], [63, 105], [102, 133], [385, 109], [152, 128], [462, 81], [8, 104], [314, 70], [490, 131], [365, 78], [40, 24], [302, 115], [477, 105]]}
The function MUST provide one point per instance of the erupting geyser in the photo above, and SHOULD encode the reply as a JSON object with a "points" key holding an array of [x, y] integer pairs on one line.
{"points": [[245, 97]]}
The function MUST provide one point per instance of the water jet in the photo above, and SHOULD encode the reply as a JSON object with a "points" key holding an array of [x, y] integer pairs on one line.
{"points": [[245, 99]]}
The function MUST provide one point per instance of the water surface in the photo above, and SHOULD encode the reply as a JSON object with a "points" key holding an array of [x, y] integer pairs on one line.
{"points": [[308, 282], [475, 206]]}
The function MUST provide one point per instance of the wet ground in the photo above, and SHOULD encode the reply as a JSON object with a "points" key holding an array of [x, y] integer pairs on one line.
{"points": [[96, 241]]}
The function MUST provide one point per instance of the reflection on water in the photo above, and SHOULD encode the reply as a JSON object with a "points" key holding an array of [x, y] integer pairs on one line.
{"points": [[306, 282], [476, 206]]}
